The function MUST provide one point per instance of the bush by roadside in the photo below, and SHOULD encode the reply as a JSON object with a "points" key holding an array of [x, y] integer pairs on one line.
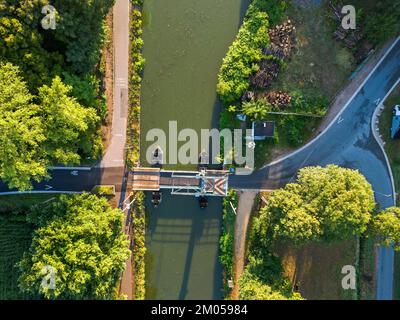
{"points": [[227, 237]]}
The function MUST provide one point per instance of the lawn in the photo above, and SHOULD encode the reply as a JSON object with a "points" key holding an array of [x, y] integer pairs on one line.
{"points": [[316, 268], [15, 239], [392, 148], [319, 64]]}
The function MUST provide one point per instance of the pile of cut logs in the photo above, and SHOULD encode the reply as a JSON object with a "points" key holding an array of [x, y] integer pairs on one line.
{"points": [[278, 99], [282, 40]]}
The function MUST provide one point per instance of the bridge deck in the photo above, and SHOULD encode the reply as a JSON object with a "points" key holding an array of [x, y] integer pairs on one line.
{"points": [[204, 183]]}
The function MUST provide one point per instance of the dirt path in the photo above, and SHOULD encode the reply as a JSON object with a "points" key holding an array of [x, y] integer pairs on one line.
{"points": [[115, 154], [246, 201]]}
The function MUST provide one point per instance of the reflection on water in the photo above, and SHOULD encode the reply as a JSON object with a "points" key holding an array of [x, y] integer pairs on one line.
{"points": [[182, 241]]}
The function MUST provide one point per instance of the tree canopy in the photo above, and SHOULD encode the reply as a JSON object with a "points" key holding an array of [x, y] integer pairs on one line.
{"points": [[243, 55], [326, 204], [37, 131], [66, 123], [80, 238], [63, 120], [22, 134]]}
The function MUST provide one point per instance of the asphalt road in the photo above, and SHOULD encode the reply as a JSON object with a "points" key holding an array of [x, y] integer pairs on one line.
{"points": [[348, 142]]}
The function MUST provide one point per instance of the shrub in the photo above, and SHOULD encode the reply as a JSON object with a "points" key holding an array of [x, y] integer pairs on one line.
{"points": [[244, 54]]}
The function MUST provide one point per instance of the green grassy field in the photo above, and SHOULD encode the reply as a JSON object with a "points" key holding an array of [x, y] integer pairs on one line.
{"points": [[316, 268], [15, 239], [392, 148]]}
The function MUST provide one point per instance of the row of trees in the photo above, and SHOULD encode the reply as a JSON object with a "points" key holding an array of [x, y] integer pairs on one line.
{"points": [[78, 249], [244, 54], [324, 205], [38, 130], [41, 54]]}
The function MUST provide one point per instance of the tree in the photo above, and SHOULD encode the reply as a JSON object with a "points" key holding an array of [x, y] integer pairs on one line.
{"points": [[68, 126], [21, 132], [79, 238], [291, 218], [80, 31], [326, 204], [342, 199], [383, 22], [251, 288], [386, 227]]}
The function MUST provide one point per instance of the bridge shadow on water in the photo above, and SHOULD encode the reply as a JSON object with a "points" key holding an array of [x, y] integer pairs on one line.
{"points": [[183, 244]]}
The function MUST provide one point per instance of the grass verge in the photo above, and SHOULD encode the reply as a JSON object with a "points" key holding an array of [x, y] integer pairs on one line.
{"points": [[227, 238]]}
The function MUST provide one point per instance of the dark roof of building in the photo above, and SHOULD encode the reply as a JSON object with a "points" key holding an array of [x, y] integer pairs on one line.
{"points": [[264, 128]]}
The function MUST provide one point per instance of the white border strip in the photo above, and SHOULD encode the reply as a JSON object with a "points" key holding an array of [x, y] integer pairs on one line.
{"points": [[341, 111]]}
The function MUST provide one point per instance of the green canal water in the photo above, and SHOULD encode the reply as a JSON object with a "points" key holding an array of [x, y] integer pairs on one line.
{"points": [[185, 41]]}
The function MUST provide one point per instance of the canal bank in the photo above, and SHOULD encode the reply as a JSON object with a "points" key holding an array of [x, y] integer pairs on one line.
{"points": [[185, 42]]}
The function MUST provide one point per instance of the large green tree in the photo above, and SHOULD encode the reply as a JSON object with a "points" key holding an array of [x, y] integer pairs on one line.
{"points": [[68, 125], [21, 132], [244, 54], [342, 198], [327, 204], [79, 239], [385, 226], [37, 131]]}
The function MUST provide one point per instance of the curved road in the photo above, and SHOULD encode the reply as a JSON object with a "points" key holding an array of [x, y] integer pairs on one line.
{"points": [[347, 142]]}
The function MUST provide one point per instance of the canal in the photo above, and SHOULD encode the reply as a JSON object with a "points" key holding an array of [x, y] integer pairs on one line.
{"points": [[185, 42]]}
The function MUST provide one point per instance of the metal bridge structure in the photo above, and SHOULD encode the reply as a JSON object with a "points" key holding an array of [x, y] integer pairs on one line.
{"points": [[210, 183]]}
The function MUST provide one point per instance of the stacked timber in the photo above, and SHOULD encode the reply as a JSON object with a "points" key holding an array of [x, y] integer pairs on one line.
{"points": [[278, 99], [282, 40]]}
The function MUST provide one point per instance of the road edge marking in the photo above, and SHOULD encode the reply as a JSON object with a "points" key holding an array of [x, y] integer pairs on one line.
{"points": [[378, 140], [12, 193], [340, 112]]}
